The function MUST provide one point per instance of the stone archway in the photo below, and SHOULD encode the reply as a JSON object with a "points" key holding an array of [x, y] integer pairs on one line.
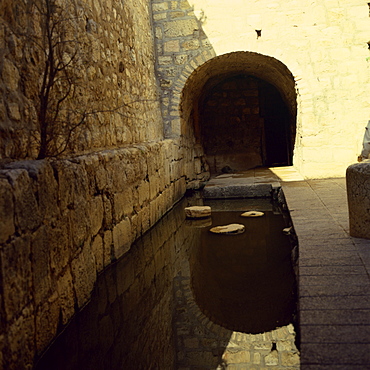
{"points": [[241, 107]]}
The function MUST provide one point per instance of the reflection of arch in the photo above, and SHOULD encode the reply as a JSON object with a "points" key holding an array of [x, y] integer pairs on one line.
{"points": [[274, 78], [245, 282]]}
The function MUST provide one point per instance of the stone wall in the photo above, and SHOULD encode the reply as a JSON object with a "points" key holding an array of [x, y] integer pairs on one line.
{"points": [[143, 314], [64, 221], [322, 45], [129, 319]]}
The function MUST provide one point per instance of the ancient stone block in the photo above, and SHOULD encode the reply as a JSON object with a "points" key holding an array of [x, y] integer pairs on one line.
{"points": [[165, 60], [122, 237], [143, 192], [59, 247], [191, 45], [27, 215], [14, 111], [180, 28], [10, 75], [272, 359], [290, 359], [236, 356], [154, 184], [79, 222], [21, 344], [238, 191], [43, 183], [98, 252], [163, 6], [96, 214], [108, 246], [145, 219], [84, 274], [66, 295], [41, 264], [47, 318], [16, 276], [7, 227], [172, 46]]}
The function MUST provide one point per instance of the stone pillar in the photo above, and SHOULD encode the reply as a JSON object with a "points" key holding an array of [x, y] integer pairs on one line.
{"points": [[358, 194]]}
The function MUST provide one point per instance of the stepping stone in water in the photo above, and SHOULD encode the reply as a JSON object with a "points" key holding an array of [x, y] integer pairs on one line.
{"points": [[198, 211], [232, 229], [252, 214]]}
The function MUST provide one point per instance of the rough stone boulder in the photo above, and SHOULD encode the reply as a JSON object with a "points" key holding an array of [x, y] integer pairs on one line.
{"points": [[358, 194], [198, 211], [232, 229]]}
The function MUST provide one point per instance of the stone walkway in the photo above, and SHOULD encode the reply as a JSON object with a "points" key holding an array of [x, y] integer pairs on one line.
{"points": [[334, 269], [334, 277]]}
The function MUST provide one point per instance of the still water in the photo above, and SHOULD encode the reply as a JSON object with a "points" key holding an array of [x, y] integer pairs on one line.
{"points": [[183, 297]]}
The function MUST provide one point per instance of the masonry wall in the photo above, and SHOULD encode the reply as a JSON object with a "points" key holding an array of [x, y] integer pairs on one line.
{"points": [[64, 219], [112, 72], [323, 45]]}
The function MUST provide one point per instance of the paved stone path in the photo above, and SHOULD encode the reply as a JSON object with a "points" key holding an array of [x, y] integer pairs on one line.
{"points": [[334, 277]]}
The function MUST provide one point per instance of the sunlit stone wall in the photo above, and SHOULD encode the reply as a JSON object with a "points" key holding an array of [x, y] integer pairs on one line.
{"points": [[112, 71], [63, 220], [322, 43]]}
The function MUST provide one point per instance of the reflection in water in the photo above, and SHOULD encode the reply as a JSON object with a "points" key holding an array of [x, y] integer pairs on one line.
{"points": [[245, 282], [143, 315]]}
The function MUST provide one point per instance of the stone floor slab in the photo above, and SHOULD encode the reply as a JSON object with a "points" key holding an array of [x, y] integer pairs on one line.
{"points": [[332, 354], [345, 302], [347, 334], [332, 317]]}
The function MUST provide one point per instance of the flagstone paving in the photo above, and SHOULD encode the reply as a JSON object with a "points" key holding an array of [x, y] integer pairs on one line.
{"points": [[334, 277]]}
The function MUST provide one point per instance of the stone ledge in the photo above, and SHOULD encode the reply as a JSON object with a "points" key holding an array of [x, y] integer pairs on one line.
{"points": [[237, 191]]}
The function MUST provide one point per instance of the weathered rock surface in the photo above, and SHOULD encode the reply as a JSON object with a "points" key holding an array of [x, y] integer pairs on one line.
{"points": [[231, 229], [198, 211]]}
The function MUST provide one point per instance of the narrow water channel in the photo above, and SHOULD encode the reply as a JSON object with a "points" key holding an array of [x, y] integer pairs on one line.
{"points": [[186, 298]]}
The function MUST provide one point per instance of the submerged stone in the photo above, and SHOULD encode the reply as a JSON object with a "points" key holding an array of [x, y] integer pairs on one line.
{"points": [[198, 211], [199, 223], [232, 229], [252, 214], [287, 230]]}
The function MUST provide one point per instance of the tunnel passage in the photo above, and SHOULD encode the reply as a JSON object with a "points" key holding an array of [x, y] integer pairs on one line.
{"points": [[244, 123], [241, 108]]}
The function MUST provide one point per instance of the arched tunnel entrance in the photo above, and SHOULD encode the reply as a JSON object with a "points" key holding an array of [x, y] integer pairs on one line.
{"points": [[241, 108], [244, 123]]}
